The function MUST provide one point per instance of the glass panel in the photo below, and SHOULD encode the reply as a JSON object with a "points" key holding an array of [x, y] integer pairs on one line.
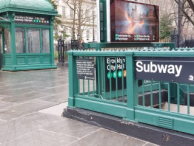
{"points": [[7, 46], [20, 43], [3, 18], [45, 41], [33, 40]]}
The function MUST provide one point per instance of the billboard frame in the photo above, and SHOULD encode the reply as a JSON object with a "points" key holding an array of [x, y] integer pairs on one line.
{"points": [[157, 15]]}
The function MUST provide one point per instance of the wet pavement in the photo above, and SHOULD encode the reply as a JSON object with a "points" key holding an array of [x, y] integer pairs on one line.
{"points": [[23, 97]]}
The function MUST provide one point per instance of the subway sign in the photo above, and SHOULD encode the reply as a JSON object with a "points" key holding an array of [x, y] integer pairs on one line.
{"points": [[115, 69], [168, 69], [32, 20]]}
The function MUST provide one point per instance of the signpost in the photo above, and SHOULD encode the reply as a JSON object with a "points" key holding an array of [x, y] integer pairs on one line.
{"points": [[165, 69], [85, 69]]}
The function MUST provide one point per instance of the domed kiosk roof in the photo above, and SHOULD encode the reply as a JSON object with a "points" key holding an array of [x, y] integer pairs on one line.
{"points": [[29, 6]]}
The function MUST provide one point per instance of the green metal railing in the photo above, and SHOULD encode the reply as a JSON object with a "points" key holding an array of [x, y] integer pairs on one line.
{"points": [[127, 46], [158, 103]]}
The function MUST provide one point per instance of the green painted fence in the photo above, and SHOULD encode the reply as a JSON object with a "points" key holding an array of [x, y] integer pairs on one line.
{"points": [[157, 103]]}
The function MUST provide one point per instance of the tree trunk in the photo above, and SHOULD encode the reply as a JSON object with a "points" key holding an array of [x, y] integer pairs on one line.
{"points": [[74, 21]]}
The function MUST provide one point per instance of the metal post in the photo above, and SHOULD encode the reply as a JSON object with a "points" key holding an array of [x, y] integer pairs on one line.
{"points": [[93, 22], [93, 27], [179, 23], [132, 86], [12, 32]]}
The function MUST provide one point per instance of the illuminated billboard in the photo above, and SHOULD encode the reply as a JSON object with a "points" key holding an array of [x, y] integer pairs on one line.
{"points": [[134, 22]]}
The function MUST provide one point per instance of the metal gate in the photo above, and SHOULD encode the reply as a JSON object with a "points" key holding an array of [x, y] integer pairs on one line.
{"points": [[61, 52]]}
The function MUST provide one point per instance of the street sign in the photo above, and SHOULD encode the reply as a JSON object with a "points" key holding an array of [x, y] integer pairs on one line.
{"points": [[85, 69], [167, 69], [32, 20], [118, 70]]}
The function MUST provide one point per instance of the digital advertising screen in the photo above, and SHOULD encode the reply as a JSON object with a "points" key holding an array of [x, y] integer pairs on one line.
{"points": [[134, 22]]}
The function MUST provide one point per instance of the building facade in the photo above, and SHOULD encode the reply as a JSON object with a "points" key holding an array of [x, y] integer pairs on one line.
{"points": [[79, 19], [171, 8]]}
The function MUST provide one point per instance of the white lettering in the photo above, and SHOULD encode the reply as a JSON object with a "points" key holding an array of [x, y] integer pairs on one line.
{"points": [[178, 70], [162, 68], [139, 67], [153, 66], [148, 68], [171, 69], [108, 67]]}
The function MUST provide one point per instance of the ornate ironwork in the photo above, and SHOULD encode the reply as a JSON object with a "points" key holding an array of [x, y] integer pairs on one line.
{"points": [[5, 25]]}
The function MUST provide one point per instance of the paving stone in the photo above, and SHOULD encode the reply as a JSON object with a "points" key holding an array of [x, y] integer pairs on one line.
{"points": [[56, 89], [150, 144], [8, 114], [2, 121], [104, 137], [4, 104], [52, 83], [3, 96], [22, 94], [26, 124], [25, 108], [55, 110], [71, 128], [33, 106], [59, 98], [19, 85], [41, 138], [21, 91], [25, 97]]}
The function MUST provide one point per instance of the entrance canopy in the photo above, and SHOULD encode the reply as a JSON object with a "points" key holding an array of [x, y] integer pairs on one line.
{"points": [[28, 6], [26, 29]]}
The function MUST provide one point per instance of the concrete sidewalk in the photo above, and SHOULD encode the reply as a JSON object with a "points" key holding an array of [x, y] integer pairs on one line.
{"points": [[31, 104]]}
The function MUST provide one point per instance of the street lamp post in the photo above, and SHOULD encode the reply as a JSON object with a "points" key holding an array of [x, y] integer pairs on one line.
{"points": [[179, 23], [93, 22], [78, 37], [93, 27]]}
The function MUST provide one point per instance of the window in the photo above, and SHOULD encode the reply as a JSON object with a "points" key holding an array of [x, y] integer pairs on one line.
{"points": [[71, 13], [20, 43], [63, 12], [88, 34], [87, 16], [45, 41], [33, 40], [36, 41], [7, 46]]}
